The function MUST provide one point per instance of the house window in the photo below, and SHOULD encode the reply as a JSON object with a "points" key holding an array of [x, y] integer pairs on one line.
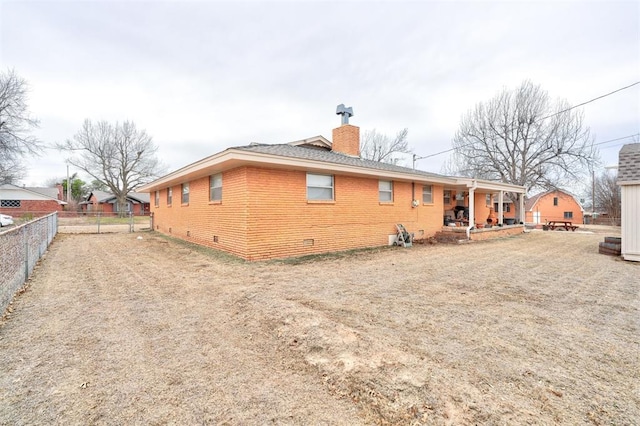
{"points": [[319, 187], [215, 187], [447, 196], [487, 200], [185, 193], [555, 201], [427, 194], [157, 199], [169, 196], [506, 207], [568, 215], [385, 190], [10, 204], [127, 207]]}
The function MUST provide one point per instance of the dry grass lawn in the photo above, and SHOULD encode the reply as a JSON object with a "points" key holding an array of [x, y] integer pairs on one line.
{"points": [[534, 329]]}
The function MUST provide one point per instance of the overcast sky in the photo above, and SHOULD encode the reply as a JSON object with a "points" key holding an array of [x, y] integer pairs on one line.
{"points": [[202, 76]]}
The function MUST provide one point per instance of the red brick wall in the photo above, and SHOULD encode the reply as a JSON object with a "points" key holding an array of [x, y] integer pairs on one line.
{"points": [[488, 234], [200, 220], [346, 139], [36, 207], [549, 212], [265, 214]]}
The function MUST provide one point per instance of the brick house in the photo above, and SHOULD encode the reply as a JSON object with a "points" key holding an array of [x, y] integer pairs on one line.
{"points": [[309, 196], [555, 204], [106, 202], [16, 201]]}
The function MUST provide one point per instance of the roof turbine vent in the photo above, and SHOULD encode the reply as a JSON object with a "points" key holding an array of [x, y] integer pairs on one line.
{"points": [[344, 112]]}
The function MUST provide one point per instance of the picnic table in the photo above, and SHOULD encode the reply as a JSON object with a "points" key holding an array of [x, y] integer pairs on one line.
{"points": [[567, 225]]}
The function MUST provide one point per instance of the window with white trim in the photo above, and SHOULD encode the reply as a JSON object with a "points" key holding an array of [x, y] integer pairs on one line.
{"points": [[169, 196], [319, 187], [446, 198], [185, 193], [385, 190], [215, 187], [427, 194], [157, 199]]}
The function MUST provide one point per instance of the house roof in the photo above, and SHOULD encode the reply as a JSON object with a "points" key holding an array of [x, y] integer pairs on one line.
{"points": [[531, 202], [312, 155], [106, 197], [629, 164], [101, 196], [288, 150], [49, 192], [12, 192]]}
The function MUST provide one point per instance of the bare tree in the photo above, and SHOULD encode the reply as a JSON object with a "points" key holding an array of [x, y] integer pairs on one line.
{"points": [[379, 147], [520, 137], [16, 124], [117, 156], [608, 196]]}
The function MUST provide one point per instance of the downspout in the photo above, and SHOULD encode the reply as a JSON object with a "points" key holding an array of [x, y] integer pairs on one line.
{"points": [[472, 203]]}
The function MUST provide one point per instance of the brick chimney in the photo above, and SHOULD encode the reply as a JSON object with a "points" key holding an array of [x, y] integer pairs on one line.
{"points": [[346, 140], [60, 189]]}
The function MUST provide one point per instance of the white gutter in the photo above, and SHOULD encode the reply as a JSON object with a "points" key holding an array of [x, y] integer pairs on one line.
{"points": [[472, 203]]}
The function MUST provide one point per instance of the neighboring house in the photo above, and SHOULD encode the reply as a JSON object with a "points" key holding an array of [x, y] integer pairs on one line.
{"points": [[306, 197], [105, 202], [555, 204], [629, 181], [16, 200]]}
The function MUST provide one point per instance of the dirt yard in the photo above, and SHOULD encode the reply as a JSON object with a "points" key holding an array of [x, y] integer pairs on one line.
{"points": [[535, 329]]}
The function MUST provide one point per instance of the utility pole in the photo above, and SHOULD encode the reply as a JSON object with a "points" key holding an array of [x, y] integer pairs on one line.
{"points": [[593, 194], [68, 184]]}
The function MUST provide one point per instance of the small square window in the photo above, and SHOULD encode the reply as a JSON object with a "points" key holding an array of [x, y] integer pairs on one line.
{"points": [[215, 187], [427, 194], [319, 187], [185, 193], [568, 215], [385, 191]]}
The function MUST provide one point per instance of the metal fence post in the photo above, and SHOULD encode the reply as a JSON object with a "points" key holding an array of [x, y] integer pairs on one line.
{"points": [[26, 253]]}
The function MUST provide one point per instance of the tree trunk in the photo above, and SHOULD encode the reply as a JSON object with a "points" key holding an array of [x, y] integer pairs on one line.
{"points": [[122, 205]]}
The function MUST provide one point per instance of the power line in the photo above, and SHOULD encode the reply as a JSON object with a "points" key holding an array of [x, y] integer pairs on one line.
{"points": [[617, 139], [589, 101], [415, 157]]}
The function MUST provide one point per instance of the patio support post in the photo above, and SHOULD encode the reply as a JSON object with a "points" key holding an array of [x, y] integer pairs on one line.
{"points": [[472, 203], [500, 210], [521, 218]]}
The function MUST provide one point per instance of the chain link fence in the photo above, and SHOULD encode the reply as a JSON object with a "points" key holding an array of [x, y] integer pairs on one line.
{"points": [[20, 249], [101, 223]]}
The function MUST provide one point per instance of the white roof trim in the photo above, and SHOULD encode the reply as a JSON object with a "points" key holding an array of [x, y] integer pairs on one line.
{"points": [[319, 141], [232, 158]]}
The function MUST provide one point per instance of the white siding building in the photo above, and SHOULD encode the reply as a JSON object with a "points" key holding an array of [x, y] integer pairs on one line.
{"points": [[629, 181]]}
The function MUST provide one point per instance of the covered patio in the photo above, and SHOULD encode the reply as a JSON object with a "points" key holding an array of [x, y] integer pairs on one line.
{"points": [[469, 211]]}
